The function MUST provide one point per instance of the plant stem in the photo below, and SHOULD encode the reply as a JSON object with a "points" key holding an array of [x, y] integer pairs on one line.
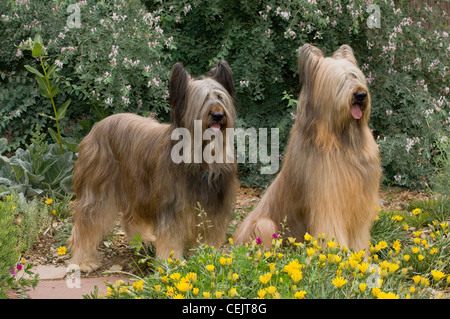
{"points": [[53, 105]]}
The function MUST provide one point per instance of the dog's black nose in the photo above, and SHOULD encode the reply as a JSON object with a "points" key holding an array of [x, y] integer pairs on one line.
{"points": [[217, 116], [360, 96]]}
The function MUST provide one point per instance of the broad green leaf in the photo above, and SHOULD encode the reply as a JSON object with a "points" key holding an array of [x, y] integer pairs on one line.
{"points": [[38, 50], [33, 70], [43, 88], [53, 134], [51, 71], [62, 110]]}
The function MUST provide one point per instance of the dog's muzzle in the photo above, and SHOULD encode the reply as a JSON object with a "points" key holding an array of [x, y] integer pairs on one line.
{"points": [[358, 99]]}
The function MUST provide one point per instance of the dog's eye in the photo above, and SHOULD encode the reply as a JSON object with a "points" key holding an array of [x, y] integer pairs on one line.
{"points": [[220, 97]]}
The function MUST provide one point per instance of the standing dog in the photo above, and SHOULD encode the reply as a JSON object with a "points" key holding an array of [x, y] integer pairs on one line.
{"points": [[125, 164], [330, 179]]}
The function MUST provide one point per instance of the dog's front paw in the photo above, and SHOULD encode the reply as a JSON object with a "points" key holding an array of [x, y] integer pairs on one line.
{"points": [[86, 266]]}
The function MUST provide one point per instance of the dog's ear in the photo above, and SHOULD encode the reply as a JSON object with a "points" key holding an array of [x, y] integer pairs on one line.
{"points": [[345, 52], [222, 73], [308, 58], [179, 80]]}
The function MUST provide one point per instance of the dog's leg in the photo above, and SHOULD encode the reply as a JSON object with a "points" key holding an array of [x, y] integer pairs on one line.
{"points": [[167, 243], [92, 221]]}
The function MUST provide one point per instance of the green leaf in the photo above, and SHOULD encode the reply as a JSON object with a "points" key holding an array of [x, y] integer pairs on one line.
{"points": [[38, 50], [62, 110], [43, 88], [51, 71], [33, 70], [53, 134], [48, 116]]}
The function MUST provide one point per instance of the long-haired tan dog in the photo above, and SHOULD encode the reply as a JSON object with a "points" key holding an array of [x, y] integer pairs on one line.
{"points": [[330, 178], [125, 165]]}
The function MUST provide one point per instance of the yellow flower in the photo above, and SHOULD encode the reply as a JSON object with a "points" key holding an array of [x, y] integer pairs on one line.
{"points": [[175, 276], [300, 294], [406, 257], [415, 250], [416, 211], [437, 275], [363, 267], [296, 275], [261, 293], [307, 237], [389, 295], [362, 287], [339, 281], [206, 294], [157, 288], [375, 291], [219, 294], [138, 285], [382, 244], [232, 292], [271, 289], [397, 218], [191, 277], [178, 296], [421, 257], [183, 286], [54, 212], [424, 282], [49, 201], [272, 267], [416, 279], [417, 233], [223, 261], [397, 245], [266, 278], [234, 277], [412, 289], [62, 250], [210, 267], [433, 251], [331, 244], [230, 240], [195, 291], [393, 267], [310, 251]]}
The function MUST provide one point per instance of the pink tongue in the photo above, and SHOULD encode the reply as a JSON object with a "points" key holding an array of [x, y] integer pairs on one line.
{"points": [[356, 111], [215, 126]]}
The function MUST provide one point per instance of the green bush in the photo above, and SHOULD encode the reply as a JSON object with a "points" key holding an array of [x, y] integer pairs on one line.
{"points": [[120, 58], [38, 170], [9, 253], [260, 38], [115, 62]]}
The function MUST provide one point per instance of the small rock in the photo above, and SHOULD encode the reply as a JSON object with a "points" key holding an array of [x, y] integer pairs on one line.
{"points": [[116, 268]]}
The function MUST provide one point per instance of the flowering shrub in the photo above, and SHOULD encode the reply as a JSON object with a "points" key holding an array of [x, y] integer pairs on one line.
{"points": [[412, 266], [114, 61], [120, 58], [10, 249], [402, 58]]}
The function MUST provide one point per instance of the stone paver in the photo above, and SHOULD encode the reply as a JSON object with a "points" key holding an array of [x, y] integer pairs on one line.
{"points": [[54, 285], [59, 289]]}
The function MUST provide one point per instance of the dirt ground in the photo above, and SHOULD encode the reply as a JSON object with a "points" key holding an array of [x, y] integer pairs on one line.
{"points": [[117, 255]]}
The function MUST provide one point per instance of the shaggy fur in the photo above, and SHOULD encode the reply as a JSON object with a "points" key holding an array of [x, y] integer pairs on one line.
{"points": [[125, 165], [330, 178]]}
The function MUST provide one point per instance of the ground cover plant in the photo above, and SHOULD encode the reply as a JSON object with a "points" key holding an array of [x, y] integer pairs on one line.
{"points": [[403, 261]]}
